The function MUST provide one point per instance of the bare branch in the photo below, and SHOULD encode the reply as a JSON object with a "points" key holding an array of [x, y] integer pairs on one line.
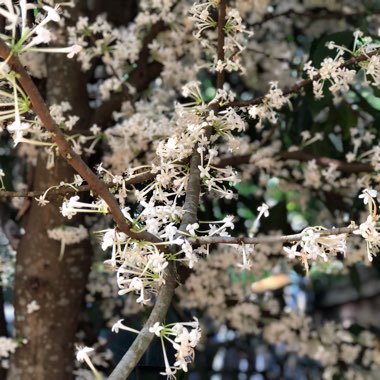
{"points": [[267, 239]]}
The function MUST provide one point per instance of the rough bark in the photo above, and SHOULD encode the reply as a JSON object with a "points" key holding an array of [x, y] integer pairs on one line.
{"points": [[57, 286]]}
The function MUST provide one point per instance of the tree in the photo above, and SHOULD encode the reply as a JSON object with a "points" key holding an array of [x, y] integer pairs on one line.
{"points": [[159, 138]]}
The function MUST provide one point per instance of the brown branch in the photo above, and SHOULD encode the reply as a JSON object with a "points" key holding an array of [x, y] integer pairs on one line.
{"points": [[299, 155], [314, 14], [298, 87], [342, 166], [65, 149], [221, 37], [65, 190], [142, 341], [68, 190], [139, 78], [268, 55], [267, 239]]}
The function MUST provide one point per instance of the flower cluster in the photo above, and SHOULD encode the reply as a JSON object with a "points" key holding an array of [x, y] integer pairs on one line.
{"points": [[339, 77], [30, 39], [7, 347], [183, 337], [236, 34], [368, 229], [68, 235], [273, 101], [72, 206], [331, 70], [314, 245]]}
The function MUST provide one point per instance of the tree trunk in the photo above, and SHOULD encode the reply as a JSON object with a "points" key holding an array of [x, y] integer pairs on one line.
{"points": [[56, 285]]}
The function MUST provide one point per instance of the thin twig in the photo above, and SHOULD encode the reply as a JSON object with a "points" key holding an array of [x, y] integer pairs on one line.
{"points": [[221, 37], [342, 166], [267, 239], [299, 155], [313, 14], [69, 190], [298, 87], [268, 55]]}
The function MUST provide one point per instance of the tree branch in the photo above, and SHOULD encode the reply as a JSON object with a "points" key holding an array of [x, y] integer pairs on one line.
{"points": [[142, 341], [313, 14], [65, 149], [299, 155], [221, 36], [67, 190], [298, 87], [190, 206], [267, 239], [342, 166]]}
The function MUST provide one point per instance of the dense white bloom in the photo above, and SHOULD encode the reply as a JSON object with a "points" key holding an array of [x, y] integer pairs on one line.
{"points": [[183, 337]]}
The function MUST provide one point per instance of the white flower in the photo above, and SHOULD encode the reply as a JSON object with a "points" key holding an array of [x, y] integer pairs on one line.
{"points": [[7, 346], [368, 230], [73, 50], [78, 180], [119, 326], [116, 326], [73, 206], [43, 36], [82, 353], [367, 195], [32, 307], [52, 13], [292, 251], [42, 201], [263, 210], [156, 329]]}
